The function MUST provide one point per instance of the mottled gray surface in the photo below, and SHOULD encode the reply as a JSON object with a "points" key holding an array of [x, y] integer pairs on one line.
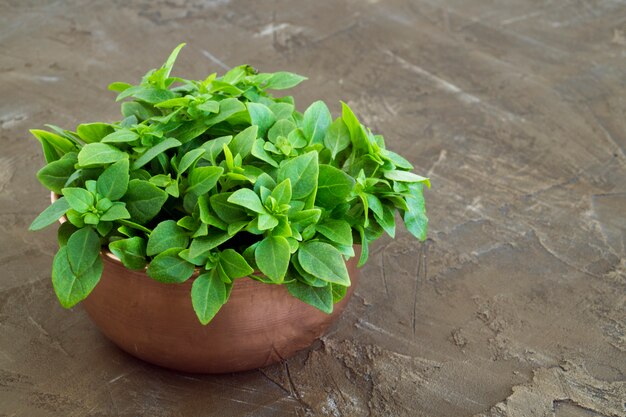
{"points": [[515, 306]]}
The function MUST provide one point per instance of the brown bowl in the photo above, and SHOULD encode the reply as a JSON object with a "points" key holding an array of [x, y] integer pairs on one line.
{"points": [[259, 325]]}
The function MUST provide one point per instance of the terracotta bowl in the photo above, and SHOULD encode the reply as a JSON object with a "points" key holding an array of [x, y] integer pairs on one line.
{"points": [[259, 325]]}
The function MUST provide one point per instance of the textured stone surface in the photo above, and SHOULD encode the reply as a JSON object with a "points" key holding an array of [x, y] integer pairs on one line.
{"points": [[515, 306]]}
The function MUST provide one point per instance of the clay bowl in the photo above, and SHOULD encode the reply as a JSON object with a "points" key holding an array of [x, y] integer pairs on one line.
{"points": [[259, 325]]}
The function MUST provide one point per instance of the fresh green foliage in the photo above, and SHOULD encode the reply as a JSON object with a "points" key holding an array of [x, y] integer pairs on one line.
{"points": [[70, 286], [220, 180], [272, 257], [131, 251]]}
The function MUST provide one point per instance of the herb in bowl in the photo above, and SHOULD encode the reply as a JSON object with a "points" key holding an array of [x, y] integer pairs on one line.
{"points": [[220, 178]]}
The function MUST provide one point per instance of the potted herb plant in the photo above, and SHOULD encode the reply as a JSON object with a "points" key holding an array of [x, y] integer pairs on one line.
{"points": [[215, 202]]}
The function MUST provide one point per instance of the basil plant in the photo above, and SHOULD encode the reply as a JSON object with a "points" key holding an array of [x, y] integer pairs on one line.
{"points": [[218, 179]]}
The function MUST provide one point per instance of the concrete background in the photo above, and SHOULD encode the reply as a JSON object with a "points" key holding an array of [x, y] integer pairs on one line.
{"points": [[515, 306]]}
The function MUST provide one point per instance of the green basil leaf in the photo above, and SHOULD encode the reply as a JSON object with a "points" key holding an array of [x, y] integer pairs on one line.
{"points": [[174, 102], [118, 86], [131, 251], [79, 199], [264, 180], [293, 244], [169, 63], [357, 134], [297, 139], [396, 159], [272, 257], [227, 212], [228, 108], [161, 180], [334, 186], [54, 175], [71, 288], [198, 261], [208, 293], [258, 79], [316, 120], [282, 110], [143, 200], [103, 204], [282, 192], [261, 116], [337, 137], [283, 80], [234, 264], [225, 88], [153, 95], [388, 220], [266, 221], [169, 268], [237, 74], [374, 204], [259, 152], [91, 218], [189, 131], [318, 297], [280, 128], [323, 261], [364, 246], [113, 182], [166, 235], [338, 231], [405, 176], [188, 223], [103, 228], [94, 154], [83, 248], [154, 151], [75, 218], [202, 245], [234, 228], [242, 143], [206, 215], [189, 159], [117, 211], [203, 179], [51, 214], [305, 217], [49, 152], [91, 186], [120, 136], [209, 106], [247, 198], [415, 218], [303, 173], [54, 146], [128, 122], [305, 277], [93, 132], [141, 111], [339, 292]]}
